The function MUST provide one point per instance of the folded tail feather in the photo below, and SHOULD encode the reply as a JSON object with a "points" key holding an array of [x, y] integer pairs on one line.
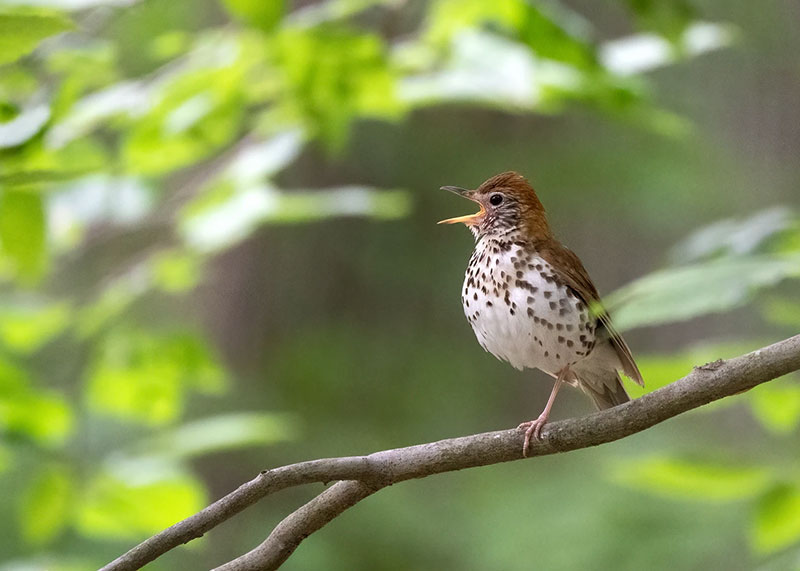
{"points": [[603, 387]]}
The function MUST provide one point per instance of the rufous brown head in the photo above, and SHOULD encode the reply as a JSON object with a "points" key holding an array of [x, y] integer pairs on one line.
{"points": [[507, 203]]}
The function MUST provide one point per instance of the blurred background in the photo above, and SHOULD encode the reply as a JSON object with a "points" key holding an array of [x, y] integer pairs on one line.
{"points": [[218, 254]]}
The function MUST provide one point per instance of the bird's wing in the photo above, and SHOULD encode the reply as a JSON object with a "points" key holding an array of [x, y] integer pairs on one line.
{"points": [[569, 269]]}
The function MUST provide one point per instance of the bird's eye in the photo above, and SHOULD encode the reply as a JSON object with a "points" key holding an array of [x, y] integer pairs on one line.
{"points": [[495, 199]]}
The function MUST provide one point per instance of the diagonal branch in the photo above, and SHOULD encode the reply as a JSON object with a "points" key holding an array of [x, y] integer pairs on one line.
{"points": [[365, 475]]}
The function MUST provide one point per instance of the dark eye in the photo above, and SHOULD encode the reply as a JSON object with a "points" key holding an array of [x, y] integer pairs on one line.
{"points": [[495, 199]]}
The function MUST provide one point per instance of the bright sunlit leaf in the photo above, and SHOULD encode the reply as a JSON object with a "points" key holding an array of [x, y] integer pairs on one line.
{"points": [[144, 377], [176, 271], [46, 504], [219, 433], [782, 311], [42, 416], [113, 507], [39, 415], [21, 32], [692, 480], [776, 405], [777, 523], [335, 76], [264, 15], [660, 370], [26, 328], [197, 112], [22, 232]]}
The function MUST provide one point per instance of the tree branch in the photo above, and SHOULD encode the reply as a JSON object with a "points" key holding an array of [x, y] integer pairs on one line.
{"points": [[364, 475]]}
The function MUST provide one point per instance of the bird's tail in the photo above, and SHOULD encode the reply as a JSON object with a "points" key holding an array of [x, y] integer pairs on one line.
{"points": [[598, 376], [604, 387]]}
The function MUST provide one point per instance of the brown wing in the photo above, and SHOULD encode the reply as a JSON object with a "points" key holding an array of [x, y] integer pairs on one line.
{"points": [[570, 269]]}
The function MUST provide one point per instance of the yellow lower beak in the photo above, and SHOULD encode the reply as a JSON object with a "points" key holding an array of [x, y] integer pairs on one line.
{"points": [[468, 219]]}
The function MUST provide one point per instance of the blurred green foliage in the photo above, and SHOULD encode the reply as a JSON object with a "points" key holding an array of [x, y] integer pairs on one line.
{"points": [[144, 145]]}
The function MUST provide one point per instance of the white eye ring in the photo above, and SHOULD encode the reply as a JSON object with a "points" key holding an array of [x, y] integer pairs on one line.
{"points": [[495, 199]]}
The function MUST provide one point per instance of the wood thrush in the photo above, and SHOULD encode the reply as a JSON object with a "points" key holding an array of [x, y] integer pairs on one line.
{"points": [[531, 302]]}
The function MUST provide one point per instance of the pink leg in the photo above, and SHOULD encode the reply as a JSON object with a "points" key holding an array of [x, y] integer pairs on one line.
{"points": [[533, 428]]}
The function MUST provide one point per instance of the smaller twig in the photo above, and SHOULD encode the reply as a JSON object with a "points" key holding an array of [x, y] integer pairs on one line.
{"points": [[298, 525]]}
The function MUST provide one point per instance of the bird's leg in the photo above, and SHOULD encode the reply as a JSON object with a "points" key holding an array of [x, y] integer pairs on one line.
{"points": [[533, 428]]}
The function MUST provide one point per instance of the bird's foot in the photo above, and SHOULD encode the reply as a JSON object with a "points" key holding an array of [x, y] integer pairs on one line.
{"points": [[533, 429]]}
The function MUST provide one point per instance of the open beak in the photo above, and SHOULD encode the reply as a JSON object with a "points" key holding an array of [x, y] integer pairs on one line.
{"points": [[469, 218]]}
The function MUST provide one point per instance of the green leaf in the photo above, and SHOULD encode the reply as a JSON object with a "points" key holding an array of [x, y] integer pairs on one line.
{"points": [[225, 215], [43, 416], [660, 370], [21, 32], [176, 271], [777, 521], [735, 237], [551, 32], [46, 505], [669, 18], [557, 35], [22, 232], [257, 13], [685, 292], [143, 377], [37, 163], [776, 405], [219, 433], [25, 328], [335, 76], [691, 480], [198, 112], [781, 311], [139, 505], [447, 18]]}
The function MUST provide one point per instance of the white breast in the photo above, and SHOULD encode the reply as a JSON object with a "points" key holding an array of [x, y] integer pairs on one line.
{"points": [[520, 313]]}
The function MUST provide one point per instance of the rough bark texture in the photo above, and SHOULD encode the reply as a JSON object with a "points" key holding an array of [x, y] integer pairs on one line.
{"points": [[360, 476]]}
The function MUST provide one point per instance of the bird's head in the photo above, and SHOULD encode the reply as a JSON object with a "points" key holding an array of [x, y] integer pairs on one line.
{"points": [[507, 203]]}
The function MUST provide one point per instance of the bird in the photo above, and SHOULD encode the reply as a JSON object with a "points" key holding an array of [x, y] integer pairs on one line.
{"points": [[531, 302]]}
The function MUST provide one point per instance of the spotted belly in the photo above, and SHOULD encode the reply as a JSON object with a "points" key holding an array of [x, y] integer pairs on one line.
{"points": [[521, 314]]}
